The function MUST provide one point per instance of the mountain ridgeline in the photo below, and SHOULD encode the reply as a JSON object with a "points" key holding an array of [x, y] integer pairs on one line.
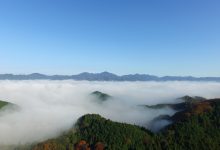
{"points": [[4, 104], [185, 102], [100, 97], [196, 126], [105, 76]]}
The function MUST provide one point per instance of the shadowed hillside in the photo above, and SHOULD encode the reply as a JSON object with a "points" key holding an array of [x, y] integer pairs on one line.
{"points": [[3, 104]]}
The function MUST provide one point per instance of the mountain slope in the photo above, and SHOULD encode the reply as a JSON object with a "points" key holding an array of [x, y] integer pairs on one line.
{"points": [[100, 97], [3, 104], [200, 129], [93, 131], [186, 102], [196, 128]]}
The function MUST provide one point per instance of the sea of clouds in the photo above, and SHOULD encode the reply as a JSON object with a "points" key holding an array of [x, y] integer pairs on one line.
{"points": [[47, 108]]}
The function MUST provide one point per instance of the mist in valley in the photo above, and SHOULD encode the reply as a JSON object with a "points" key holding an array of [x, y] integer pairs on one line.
{"points": [[48, 108]]}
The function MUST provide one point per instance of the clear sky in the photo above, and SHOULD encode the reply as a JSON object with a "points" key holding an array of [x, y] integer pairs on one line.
{"points": [[160, 37]]}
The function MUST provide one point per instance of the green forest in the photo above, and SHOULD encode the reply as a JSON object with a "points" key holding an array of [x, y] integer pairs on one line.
{"points": [[195, 128]]}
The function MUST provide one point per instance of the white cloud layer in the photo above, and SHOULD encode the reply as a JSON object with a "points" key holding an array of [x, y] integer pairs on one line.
{"points": [[51, 107]]}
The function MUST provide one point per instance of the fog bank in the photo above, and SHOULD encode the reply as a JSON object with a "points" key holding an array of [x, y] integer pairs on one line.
{"points": [[48, 108]]}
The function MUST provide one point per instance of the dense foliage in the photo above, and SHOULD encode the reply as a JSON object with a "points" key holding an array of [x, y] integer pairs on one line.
{"points": [[94, 129], [198, 129]]}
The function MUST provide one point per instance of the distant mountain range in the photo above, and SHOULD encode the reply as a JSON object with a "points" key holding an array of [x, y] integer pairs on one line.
{"points": [[105, 76]]}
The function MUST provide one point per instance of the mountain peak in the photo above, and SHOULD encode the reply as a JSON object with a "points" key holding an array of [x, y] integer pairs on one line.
{"points": [[105, 76]]}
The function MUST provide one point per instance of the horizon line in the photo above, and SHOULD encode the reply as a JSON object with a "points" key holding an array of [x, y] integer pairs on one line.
{"points": [[95, 73]]}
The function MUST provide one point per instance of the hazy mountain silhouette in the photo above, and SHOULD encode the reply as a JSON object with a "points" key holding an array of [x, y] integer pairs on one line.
{"points": [[105, 76]]}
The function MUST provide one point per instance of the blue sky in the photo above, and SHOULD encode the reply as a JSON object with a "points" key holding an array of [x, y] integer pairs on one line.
{"points": [[160, 37]]}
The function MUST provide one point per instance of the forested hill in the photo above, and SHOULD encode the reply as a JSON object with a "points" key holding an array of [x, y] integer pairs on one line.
{"points": [[196, 128]]}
